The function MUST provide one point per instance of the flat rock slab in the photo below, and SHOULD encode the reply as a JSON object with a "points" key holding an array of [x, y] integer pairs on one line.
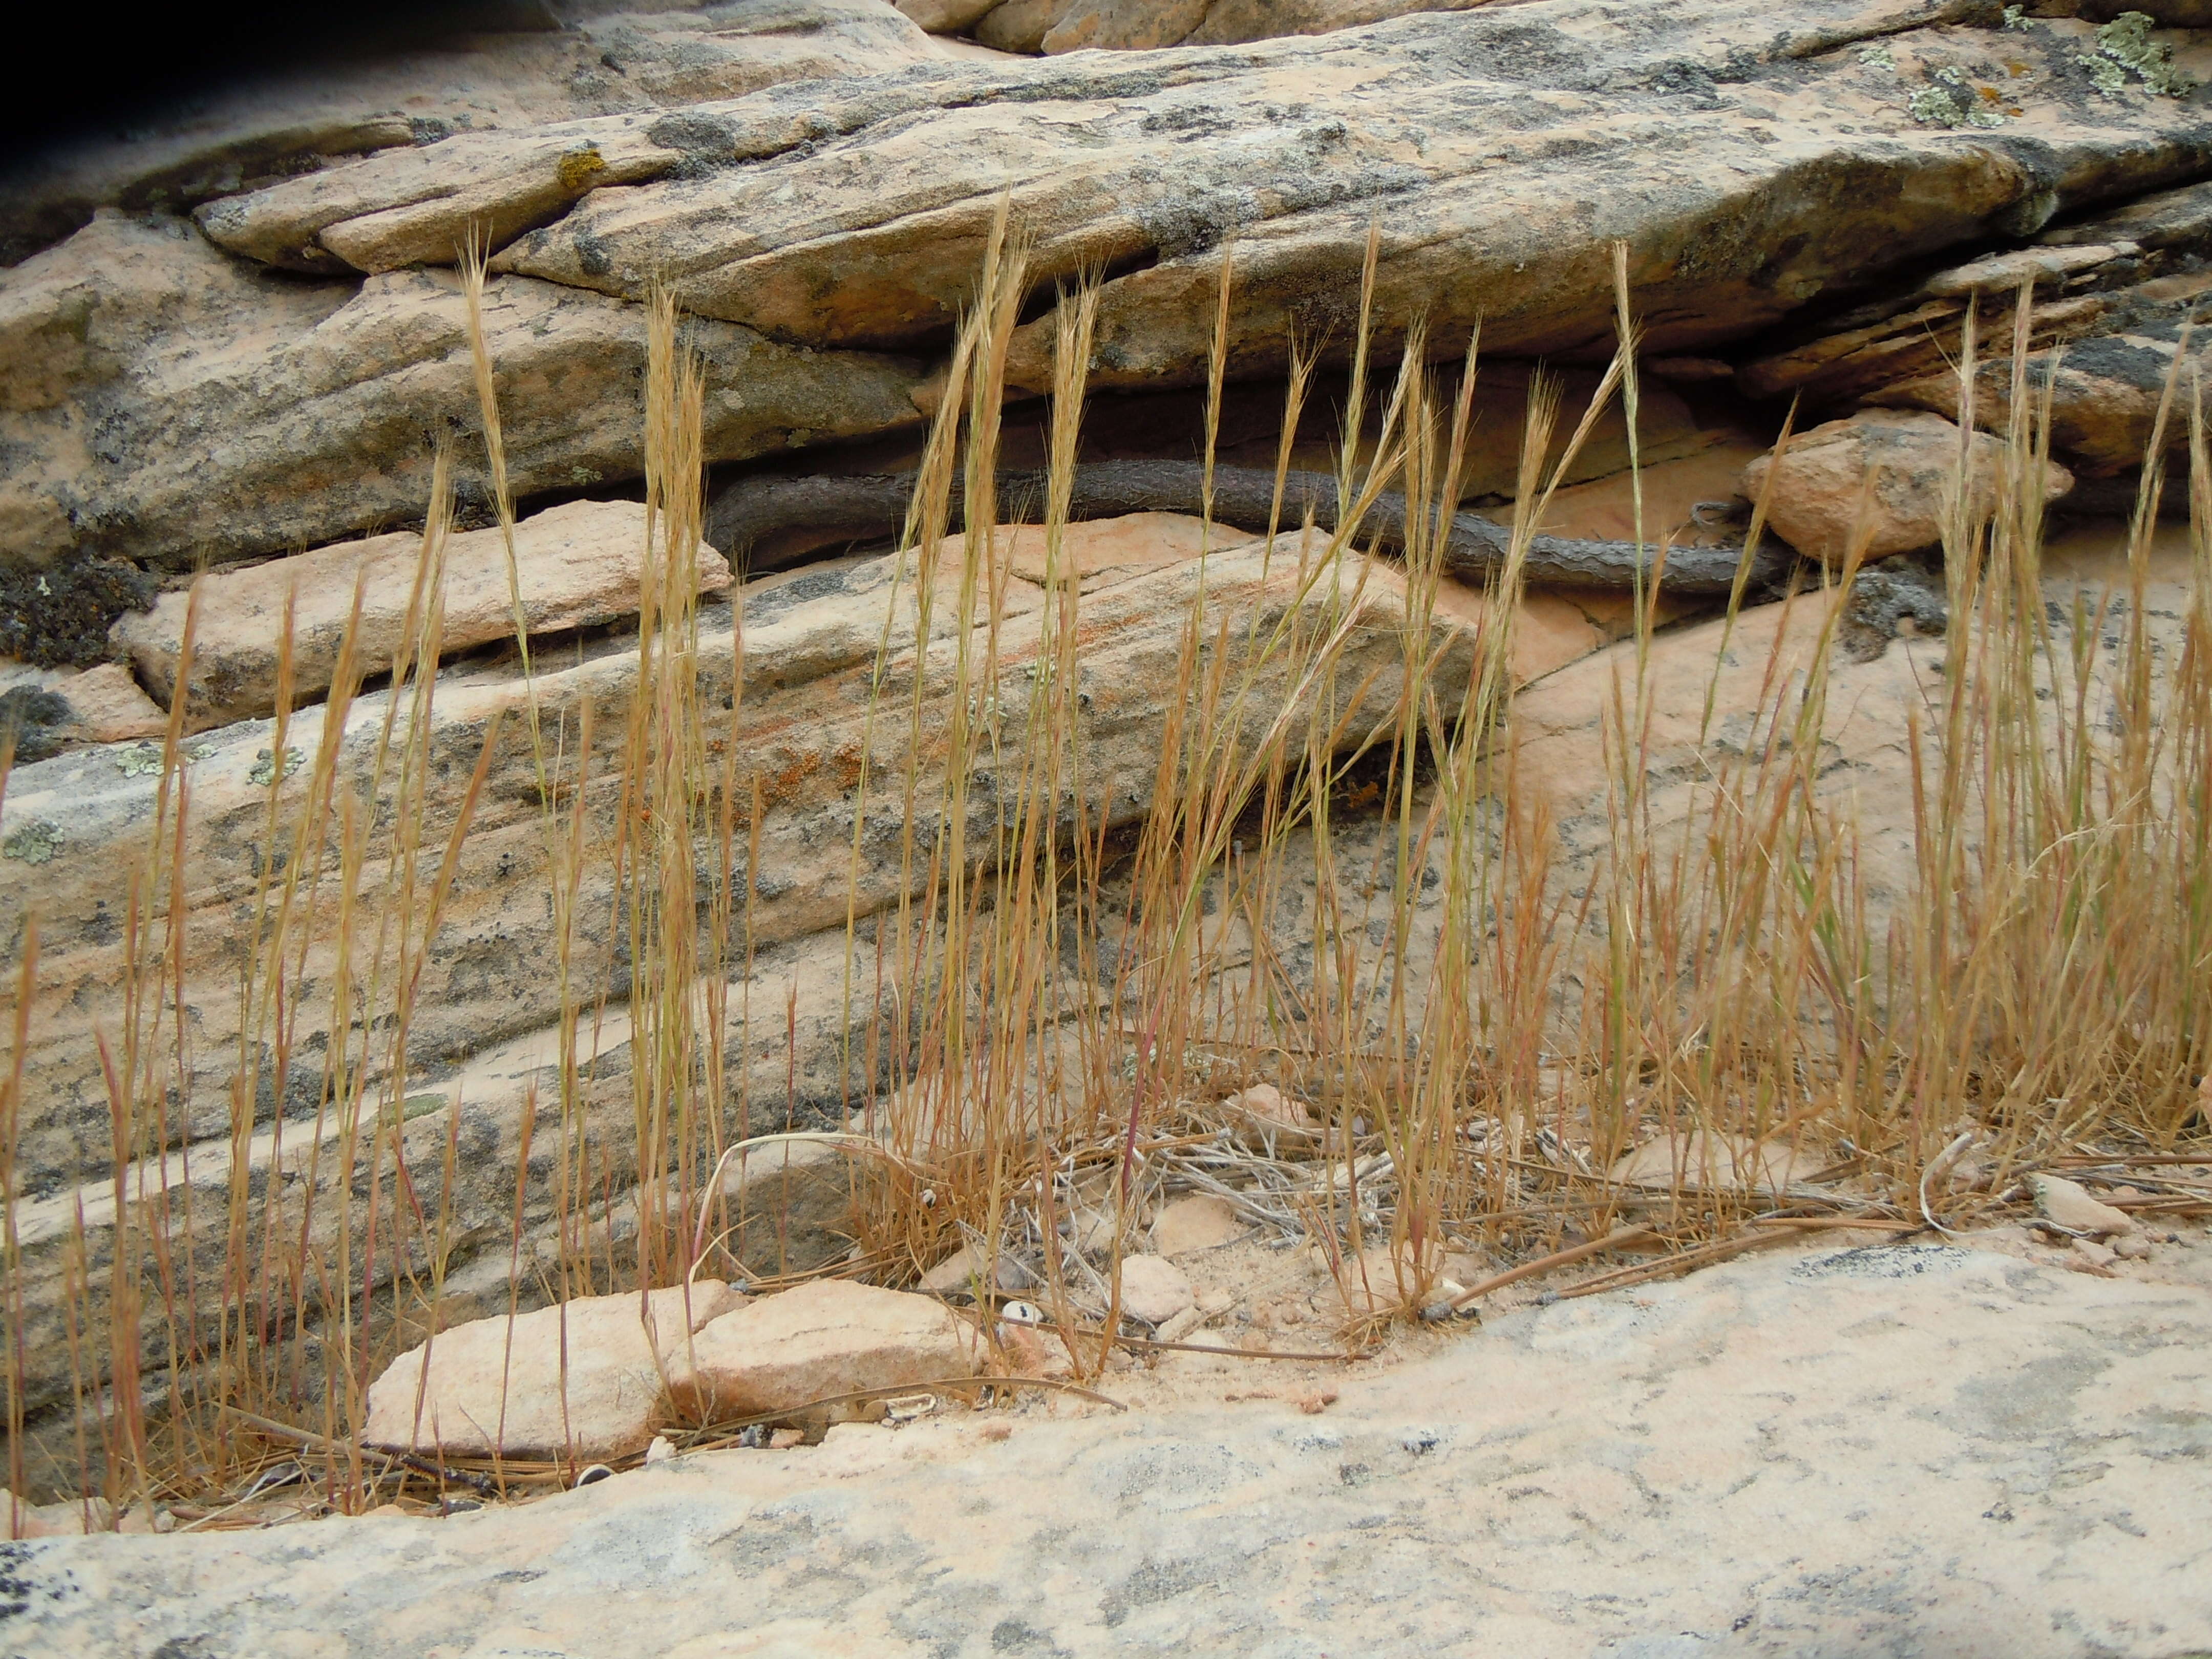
{"points": [[575, 566], [1895, 1450], [172, 404], [827, 1337], [580, 1380]]}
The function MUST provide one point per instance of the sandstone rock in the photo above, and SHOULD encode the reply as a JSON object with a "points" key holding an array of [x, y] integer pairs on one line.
{"points": [[260, 126], [791, 1204], [581, 1380], [1231, 21], [71, 1518], [1196, 1221], [2066, 1203], [2089, 1256], [945, 16], [956, 1274], [1701, 1160], [1130, 25], [1879, 481], [1684, 1391], [1153, 1289], [577, 566], [810, 651], [106, 705], [2110, 295], [828, 1337], [485, 988], [237, 413], [1748, 175], [1099, 550], [49, 711], [1263, 1113], [1379, 1280], [1558, 723], [1019, 25]]}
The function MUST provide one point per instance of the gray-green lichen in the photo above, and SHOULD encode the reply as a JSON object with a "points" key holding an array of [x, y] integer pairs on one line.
{"points": [[1950, 99], [140, 760], [35, 842], [265, 769], [2126, 43], [1879, 57], [2016, 17]]}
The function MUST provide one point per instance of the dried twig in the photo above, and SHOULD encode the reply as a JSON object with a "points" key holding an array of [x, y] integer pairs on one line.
{"points": [[478, 1483]]}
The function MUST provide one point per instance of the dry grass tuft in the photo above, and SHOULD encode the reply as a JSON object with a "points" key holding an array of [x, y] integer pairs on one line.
{"points": [[1478, 1035]]}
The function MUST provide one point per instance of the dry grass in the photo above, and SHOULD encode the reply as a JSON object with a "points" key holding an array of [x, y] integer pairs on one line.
{"points": [[1072, 1003]]}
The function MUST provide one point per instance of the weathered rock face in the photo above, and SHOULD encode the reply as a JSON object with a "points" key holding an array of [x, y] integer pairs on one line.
{"points": [[47, 711], [2113, 296], [1663, 1409], [276, 126], [72, 830], [829, 1337], [1871, 702], [1877, 482], [576, 566], [810, 648], [792, 1205], [578, 1380], [1058, 26], [168, 402], [1748, 168]]}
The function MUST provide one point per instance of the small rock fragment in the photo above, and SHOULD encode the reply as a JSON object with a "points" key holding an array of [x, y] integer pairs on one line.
{"points": [[1262, 1112], [2062, 1201], [1030, 1352], [2089, 1256], [1314, 1404], [829, 1337], [956, 1274], [2132, 1247], [1153, 1289], [577, 1380], [785, 1439], [661, 1450], [1700, 1161], [1196, 1221], [1881, 477], [66, 1519]]}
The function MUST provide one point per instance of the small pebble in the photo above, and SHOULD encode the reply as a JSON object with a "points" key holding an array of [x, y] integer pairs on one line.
{"points": [[785, 1439], [661, 1450], [2089, 1256], [2132, 1247], [2063, 1202], [1315, 1404]]}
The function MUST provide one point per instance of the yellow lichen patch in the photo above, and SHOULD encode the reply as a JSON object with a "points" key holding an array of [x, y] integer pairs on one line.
{"points": [[579, 168]]}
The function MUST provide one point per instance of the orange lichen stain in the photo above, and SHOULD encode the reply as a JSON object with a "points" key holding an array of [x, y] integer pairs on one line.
{"points": [[782, 781], [849, 767]]}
